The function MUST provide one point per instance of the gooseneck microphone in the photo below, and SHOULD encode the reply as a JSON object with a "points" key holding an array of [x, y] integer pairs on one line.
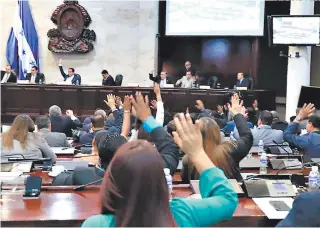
{"points": [[81, 187]]}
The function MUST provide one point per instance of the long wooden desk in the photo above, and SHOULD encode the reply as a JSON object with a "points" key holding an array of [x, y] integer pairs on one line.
{"points": [[64, 207], [84, 100]]}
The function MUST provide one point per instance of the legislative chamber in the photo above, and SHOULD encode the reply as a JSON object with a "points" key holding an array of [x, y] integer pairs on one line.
{"points": [[160, 113]]}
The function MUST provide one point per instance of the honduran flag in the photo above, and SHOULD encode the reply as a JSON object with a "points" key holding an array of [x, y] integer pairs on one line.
{"points": [[22, 46]]}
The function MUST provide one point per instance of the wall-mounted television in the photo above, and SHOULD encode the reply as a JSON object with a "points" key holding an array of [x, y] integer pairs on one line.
{"points": [[294, 30]]}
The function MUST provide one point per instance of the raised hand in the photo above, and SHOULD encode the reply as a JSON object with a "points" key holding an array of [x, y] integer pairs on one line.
{"points": [[141, 106], [255, 105], [127, 104], [60, 61], [118, 101], [153, 104], [306, 111], [188, 135], [199, 105], [69, 113], [156, 89], [236, 105], [111, 101], [220, 109]]}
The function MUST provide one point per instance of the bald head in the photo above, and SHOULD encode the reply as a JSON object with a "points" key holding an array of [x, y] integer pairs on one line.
{"points": [[187, 65], [98, 121]]}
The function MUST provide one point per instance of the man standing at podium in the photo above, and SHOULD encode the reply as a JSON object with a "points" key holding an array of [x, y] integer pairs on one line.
{"points": [[241, 81], [71, 78], [8, 75], [35, 76]]}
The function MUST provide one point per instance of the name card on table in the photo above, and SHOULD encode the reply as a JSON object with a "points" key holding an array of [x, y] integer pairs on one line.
{"points": [[169, 86], [204, 87]]}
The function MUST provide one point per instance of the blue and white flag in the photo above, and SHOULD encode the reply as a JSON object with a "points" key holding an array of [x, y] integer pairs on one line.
{"points": [[22, 46]]}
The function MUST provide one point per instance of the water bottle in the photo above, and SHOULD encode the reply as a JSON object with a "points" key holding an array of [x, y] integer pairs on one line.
{"points": [[263, 163], [313, 179], [261, 146], [232, 136], [168, 178]]}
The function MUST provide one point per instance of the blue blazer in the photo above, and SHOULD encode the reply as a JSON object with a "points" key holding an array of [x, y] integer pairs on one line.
{"points": [[304, 212], [76, 78], [244, 83]]}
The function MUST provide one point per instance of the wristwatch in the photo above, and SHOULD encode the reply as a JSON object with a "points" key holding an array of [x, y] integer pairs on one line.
{"points": [[298, 118]]}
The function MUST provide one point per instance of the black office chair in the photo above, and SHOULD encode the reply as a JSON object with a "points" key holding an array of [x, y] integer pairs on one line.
{"points": [[212, 82], [250, 83], [118, 80]]}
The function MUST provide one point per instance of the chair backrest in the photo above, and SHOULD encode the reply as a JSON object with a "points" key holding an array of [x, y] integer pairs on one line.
{"points": [[250, 83], [118, 80]]}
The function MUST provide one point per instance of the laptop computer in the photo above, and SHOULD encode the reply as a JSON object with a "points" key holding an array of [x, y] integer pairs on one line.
{"points": [[249, 163], [24, 167], [71, 165], [63, 150], [196, 189]]}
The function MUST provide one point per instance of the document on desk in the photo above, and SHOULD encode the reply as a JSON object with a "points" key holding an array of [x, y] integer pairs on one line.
{"points": [[9, 176], [269, 210], [63, 150]]}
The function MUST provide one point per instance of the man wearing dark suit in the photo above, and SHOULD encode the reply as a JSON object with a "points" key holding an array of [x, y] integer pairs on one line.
{"points": [[35, 76], [242, 82], [97, 124], [71, 78], [63, 124], [161, 79], [8, 75], [304, 212], [107, 79], [54, 139]]}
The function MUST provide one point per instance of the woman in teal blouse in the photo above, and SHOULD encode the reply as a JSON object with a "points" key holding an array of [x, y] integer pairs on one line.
{"points": [[134, 191]]}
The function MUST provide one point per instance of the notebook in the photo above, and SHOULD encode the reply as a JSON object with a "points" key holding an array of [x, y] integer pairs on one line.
{"points": [[63, 150]]}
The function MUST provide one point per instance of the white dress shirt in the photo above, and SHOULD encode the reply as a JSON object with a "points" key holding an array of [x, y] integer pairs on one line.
{"points": [[5, 78], [33, 78], [184, 82], [163, 83], [69, 79]]}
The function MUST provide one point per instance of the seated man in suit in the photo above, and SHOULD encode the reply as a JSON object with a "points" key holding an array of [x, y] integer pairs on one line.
{"points": [[310, 142], [71, 78], [63, 124], [304, 212], [277, 123], [54, 139], [161, 79], [186, 81], [35, 76], [97, 124], [9, 75], [264, 131], [107, 79], [241, 81]]}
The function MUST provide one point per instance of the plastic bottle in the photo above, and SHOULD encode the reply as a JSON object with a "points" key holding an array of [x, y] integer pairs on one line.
{"points": [[232, 136], [263, 163], [313, 179], [168, 178], [261, 146]]}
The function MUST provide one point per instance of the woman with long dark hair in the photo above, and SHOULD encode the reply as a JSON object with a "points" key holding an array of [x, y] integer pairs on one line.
{"points": [[224, 154], [134, 191], [22, 142]]}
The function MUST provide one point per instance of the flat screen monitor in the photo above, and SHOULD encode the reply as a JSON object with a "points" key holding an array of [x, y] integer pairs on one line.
{"points": [[214, 17], [309, 94], [294, 30]]}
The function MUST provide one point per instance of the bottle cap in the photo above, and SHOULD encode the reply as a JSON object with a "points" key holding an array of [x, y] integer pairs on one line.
{"points": [[166, 171], [261, 141], [264, 154], [314, 168]]}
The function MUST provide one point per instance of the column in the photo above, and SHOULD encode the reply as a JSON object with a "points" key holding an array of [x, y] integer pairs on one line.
{"points": [[298, 68]]}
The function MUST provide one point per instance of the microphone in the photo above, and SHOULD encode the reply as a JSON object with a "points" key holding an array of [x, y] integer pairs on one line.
{"points": [[303, 166], [81, 187], [280, 146]]}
